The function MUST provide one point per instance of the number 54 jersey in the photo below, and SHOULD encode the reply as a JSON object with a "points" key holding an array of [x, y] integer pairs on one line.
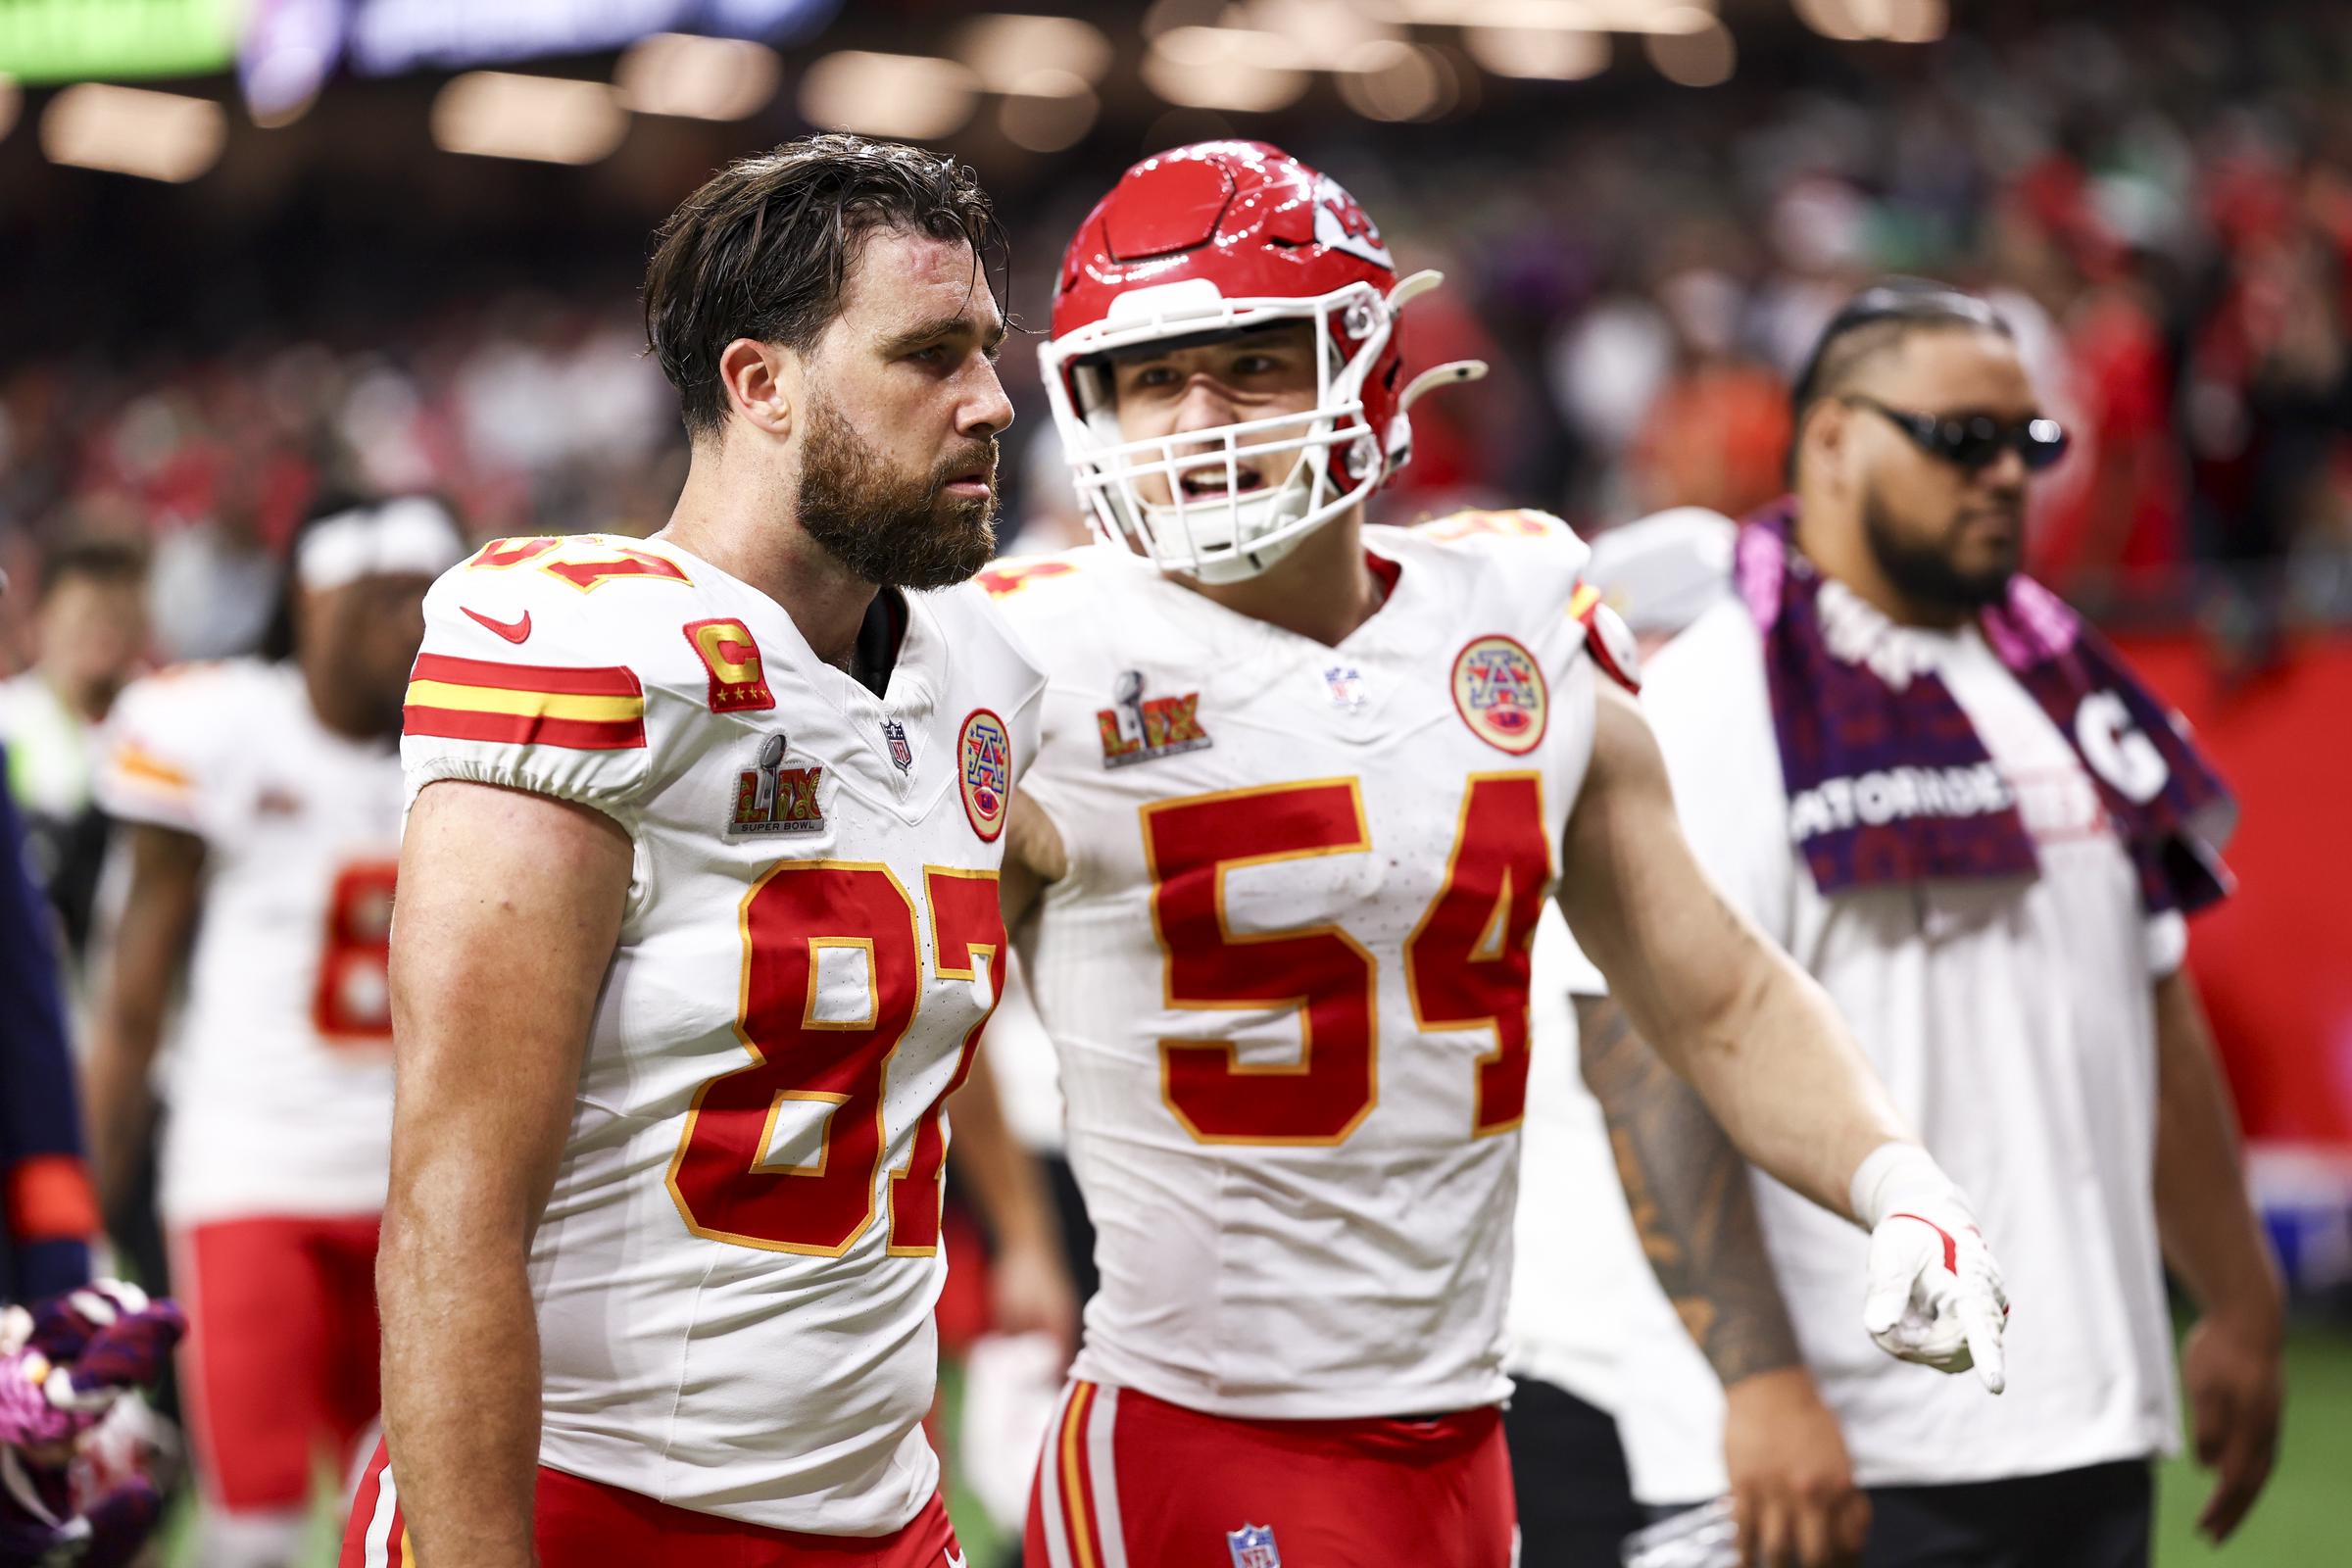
{"points": [[1287, 972], [736, 1270]]}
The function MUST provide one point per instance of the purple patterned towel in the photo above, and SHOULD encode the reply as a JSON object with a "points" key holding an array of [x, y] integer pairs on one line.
{"points": [[1890, 783]]}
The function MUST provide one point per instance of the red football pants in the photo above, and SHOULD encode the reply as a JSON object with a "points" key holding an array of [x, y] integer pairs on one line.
{"points": [[279, 1364], [1127, 1481], [585, 1524]]}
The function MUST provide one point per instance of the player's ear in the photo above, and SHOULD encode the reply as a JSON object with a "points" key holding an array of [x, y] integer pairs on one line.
{"points": [[1824, 441], [762, 384]]}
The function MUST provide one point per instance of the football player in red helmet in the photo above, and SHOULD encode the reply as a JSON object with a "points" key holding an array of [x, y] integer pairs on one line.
{"points": [[1303, 786], [1222, 244]]}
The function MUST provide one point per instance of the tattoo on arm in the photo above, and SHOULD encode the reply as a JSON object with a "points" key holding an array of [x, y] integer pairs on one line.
{"points": [[1688, 1187]]}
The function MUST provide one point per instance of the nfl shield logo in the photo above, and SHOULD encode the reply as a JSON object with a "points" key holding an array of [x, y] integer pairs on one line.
{"points": [[902, 755], [1253, 1546]]}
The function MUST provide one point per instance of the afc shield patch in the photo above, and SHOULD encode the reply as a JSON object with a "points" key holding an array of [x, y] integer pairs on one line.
{"points": [[1253, 1546], [984, 772], [1499, 690]]}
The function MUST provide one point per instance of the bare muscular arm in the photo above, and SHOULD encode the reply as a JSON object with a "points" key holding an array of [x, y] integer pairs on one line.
{"points": [[507, 910], [1754, 1035]]}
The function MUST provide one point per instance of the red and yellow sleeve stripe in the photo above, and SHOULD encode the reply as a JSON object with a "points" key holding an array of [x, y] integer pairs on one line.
{"points": [[134, 763], [586, 709]]}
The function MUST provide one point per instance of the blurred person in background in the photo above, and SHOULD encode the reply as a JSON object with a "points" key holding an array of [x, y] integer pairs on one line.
{"points": [[89, 636], [1958, 810], [261, 805], [1578, 1274], [1274, 878], [48, 1213]]}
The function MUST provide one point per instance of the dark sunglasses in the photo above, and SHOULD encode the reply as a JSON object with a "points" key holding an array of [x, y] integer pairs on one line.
{"points": [[1974, 441]]}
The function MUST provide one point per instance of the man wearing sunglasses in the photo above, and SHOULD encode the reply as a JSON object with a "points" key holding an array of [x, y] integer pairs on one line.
{"points": [[1954, 804]]}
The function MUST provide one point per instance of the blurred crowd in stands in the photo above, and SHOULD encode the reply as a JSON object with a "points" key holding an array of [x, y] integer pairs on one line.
{"points": [[1641, 266]]}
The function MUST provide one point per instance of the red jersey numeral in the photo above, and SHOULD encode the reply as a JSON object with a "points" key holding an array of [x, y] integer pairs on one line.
{"points": [[1466, 962], [966, 923], [354, 996], [1320, 970], [726, 1179], [579, 561], [1465, 965], [585, 568]]}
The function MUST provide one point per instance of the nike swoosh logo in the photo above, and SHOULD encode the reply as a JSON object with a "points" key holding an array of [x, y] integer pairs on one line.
{"points": [[513, 631]]}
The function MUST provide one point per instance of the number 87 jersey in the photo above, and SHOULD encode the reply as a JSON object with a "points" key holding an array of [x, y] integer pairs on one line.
{"points": [[736, 1268], [1287, 971]]}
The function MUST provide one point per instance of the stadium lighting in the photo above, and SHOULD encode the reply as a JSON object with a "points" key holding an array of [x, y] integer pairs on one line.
{"points": [[1832, 19], [1225, 67], [1914, 21], [1165, 16], [278, 112], [1326, 29], [1693, 59], [1048, 110], [1545, 54], [911, 96], [687, 77], [1893, 20], [1677, 21], [131, 130], [1384, 79], [1565, 16], [1004, 50], [548, 120]]}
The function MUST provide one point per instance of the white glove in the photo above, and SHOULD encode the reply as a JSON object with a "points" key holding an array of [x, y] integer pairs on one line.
{"points": [[1935, 1293]]}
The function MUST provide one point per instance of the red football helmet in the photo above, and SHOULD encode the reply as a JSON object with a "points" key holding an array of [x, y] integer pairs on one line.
{"points": [[1206, 242]]}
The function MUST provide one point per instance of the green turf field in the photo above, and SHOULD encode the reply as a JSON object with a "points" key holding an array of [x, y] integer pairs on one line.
{"points": [[2303, 1521]]}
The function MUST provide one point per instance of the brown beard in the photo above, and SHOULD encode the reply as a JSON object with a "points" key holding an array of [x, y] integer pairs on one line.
{"points": [[893, 530]]}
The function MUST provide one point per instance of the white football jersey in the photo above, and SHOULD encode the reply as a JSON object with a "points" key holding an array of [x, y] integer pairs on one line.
{"points": [[1287, 974], [279, 1077], [736, 1270]]}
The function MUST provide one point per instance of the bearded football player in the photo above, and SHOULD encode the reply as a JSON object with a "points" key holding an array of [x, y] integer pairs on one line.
{"points": [[698, 922]]}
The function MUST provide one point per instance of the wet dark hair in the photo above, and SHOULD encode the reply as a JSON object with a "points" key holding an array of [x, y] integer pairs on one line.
{"points": [[763, 249], [1870, 323]]}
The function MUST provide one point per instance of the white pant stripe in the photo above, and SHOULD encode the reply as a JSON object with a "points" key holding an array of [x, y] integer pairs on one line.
{"points": [[1048, 1483], [378, 1543], [1102, 1423]]}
